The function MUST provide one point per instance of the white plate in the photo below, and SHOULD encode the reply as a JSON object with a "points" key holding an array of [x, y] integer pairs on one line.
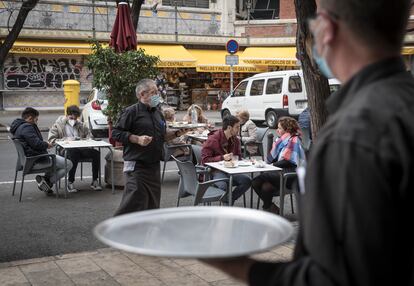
{"points": [[195, 232]]}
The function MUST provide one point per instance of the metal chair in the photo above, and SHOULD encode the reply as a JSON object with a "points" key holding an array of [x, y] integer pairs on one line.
{"points": [[27, 165], [168, 151], [285, 177], [260, 134], [203, 192]]}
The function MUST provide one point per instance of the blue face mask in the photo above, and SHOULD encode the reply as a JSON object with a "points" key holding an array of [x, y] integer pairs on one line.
{"points": [[155, 100], [322, 64]]}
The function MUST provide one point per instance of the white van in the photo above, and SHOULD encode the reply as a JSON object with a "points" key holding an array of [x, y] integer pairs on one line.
{"points": [[269, 95]]}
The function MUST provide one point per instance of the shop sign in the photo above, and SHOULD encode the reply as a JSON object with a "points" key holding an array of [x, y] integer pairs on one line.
{"points": [[240, 69], [50, 50], [232, 60], [176, 64], [275, 62]]}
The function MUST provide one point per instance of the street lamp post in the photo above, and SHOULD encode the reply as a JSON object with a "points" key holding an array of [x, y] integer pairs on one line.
{"points": [[176, 21], [249, 6], [93, 20]]}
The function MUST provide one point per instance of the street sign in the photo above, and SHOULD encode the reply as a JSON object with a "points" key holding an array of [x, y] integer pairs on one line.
{"points": [[232, 46], [232, 60]]}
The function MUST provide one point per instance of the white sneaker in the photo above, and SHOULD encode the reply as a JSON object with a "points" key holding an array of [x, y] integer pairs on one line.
{"points": [[71, 188], [95, 186]]}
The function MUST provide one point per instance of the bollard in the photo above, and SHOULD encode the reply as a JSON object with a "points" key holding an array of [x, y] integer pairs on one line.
{"points": [[71, 89]]}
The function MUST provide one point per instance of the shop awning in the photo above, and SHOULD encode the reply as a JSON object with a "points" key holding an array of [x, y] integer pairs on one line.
{"points": [[175, 56], [407, 50], [53, 48], [215, 61], [170, 55], [270, 56]]}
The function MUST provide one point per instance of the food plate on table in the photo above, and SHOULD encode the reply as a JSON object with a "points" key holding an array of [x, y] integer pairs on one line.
{"points": [[245, 163], [195, 232], [184, 125]]}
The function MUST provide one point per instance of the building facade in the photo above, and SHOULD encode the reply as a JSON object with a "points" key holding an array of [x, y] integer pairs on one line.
{"points": [[189, 36]]}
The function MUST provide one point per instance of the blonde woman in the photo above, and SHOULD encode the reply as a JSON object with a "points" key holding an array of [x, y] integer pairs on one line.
{"points": [[201, 118], [247, 131]]}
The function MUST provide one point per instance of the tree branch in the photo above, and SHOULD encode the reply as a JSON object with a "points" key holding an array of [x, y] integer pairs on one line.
{"points": [[5, 47]]}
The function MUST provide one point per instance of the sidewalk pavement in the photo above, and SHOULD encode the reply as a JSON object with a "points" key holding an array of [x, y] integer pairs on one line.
{"points": [[109, 266]]}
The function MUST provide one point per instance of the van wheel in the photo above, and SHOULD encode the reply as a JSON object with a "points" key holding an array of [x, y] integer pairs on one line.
{"points": [[225, 113], [271, 119]]}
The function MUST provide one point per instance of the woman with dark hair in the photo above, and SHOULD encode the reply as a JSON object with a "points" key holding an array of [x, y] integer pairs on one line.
{"points": [[286, 153]]}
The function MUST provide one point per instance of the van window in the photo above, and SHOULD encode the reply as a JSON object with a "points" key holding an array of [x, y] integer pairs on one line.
{"points": [[274, 86], [240, 89], [257, 87], [295, 84]]}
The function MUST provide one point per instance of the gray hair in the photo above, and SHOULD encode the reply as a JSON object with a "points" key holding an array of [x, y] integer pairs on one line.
{"points": [[143, 85]]}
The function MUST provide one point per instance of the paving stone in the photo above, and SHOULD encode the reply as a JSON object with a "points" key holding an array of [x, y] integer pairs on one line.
{"points": [[50, 277], [227, 282], [32, 261], [98, 278], [284, 251], [115, 264], [131, 278], [269, 256], [185, 262], [12, 276], [173, 274], [73, 255], [77, 265], [206, 272], [37, 267]]}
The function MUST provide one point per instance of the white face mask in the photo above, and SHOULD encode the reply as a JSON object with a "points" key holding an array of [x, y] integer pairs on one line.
{"points": [[72, 122]]}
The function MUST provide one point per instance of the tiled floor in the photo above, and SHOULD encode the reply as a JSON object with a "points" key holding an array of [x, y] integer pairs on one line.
{"points": [[112, 267]]}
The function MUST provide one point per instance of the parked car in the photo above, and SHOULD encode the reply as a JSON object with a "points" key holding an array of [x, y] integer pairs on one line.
{"points": [[268, 96], [92, 114]]}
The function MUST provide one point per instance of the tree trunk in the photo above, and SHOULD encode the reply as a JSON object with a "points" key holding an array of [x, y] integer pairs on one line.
{"points": [[317, 87], [135, 10], [5, 47]]}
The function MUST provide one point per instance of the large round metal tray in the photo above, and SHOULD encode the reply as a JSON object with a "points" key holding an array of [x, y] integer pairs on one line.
{"points": [[195, 232]]}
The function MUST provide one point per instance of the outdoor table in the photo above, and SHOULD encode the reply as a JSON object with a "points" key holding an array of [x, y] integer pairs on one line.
{"points": [[244, 169], [88, 143]]}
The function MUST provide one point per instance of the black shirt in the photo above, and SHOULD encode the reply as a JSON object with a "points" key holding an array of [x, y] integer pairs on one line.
{"points": [[139, 119], [357, 212]]}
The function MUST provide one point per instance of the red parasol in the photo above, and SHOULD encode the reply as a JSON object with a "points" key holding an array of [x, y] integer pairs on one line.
{"points": [[123, 36]]}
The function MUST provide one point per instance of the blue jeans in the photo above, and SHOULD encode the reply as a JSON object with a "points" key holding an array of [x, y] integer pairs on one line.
{"points": [[242, 183]]}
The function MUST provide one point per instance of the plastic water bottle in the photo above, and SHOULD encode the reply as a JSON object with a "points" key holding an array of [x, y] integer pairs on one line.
{"points": [[194, 115]]}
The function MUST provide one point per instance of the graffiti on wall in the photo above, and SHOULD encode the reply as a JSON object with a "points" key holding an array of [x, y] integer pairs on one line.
{"points": [[45, 72]]}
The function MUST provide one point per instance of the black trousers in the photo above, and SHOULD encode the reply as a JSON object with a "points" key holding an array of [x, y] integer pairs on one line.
{"points": [[267, 186], [142, 190], [75, 155]]}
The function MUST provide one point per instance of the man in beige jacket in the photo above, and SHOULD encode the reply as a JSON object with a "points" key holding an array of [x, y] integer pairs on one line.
{"points": [[68, 127]]}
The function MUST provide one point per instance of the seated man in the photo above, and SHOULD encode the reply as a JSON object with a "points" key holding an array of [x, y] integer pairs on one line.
{"points": [[221, 145], [69, 127], [26, 130]]}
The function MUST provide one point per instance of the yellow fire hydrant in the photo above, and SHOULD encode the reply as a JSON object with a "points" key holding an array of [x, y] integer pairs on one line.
{"points": [[71, 89]]}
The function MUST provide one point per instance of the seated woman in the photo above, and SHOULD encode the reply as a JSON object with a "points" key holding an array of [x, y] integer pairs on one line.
{"points": [[169, 116], [286, 153], [247, 131], [201, 118]]}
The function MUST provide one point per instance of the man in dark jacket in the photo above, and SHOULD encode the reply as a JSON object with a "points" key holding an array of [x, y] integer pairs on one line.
{"points": [[357, 207], [223, 144], [142, 130], [25, 129]]}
